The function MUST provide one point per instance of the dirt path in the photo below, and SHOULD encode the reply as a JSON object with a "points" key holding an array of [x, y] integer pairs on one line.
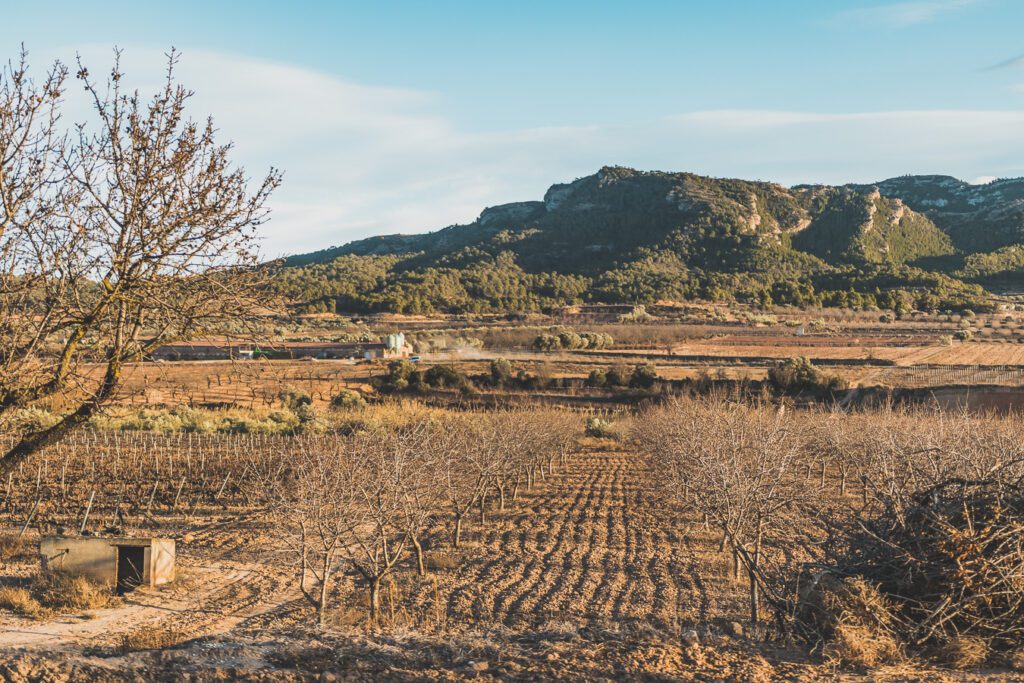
{"points": [[593, 548], [212, 598]]}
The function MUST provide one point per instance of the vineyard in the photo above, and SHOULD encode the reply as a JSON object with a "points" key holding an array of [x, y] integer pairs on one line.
{"points": [[950, 375]]}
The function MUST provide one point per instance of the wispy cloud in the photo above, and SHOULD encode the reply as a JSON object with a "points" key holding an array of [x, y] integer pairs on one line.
{"points": [[362, 160], [1011, 63], [904, 14]]}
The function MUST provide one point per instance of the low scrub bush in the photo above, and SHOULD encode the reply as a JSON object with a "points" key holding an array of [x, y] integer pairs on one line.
{"points": [[404, 376], [21, 602], [500, 372], [617, 376], [639, 377], [569, 340], [28, 420], [183, 419], [643, 377], [442, 561], [600, 428], [853, 620], [64, 592], [13, 547]]}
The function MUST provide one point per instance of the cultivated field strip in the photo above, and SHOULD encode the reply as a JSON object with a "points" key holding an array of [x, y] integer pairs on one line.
{"points": [[596, 549]]}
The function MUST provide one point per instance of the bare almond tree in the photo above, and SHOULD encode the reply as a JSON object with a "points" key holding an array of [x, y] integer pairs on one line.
{"points": [[383, 471], [461, 471], [36, 246], [424, 494], [315, 504], [735, 465], [137, 232]]}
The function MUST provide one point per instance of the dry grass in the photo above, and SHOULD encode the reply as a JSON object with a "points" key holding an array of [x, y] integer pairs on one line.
{"points": [[67, 593], [14, 548], [442, 561], [855, 620], [964, 652], [56, 593], [151, 638], [346, 617], [861, 647], [20, 602]]}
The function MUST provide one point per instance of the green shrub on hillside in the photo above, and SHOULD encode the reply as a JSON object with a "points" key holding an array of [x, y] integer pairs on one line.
{"points": [[347, 399], [799, 374]]}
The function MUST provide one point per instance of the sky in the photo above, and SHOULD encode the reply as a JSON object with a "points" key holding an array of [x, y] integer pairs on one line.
{"points": [[391, 116]]}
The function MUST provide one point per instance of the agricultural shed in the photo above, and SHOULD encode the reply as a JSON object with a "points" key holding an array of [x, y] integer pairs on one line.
{"points": [[121, 563]]}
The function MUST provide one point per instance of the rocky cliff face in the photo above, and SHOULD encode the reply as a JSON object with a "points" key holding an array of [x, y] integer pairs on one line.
{"points": [[978, 218]]}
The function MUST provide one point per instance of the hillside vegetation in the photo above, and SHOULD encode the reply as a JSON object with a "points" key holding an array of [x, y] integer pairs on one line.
{"points": [[627, 236]]}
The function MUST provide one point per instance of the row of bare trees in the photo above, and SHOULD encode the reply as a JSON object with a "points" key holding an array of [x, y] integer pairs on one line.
{"points": [[369, 502], [758, 473], [732, 463]]}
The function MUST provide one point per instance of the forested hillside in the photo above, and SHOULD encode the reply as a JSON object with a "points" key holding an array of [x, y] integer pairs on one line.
{"points": [[626, 236]]}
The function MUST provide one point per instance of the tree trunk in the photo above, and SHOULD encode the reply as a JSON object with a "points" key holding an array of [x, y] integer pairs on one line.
{"points": [[374, 601], [501, 497], [321, 609], [483, 509], [302, 573], [420, 563], [754, 560], [457, 532]]}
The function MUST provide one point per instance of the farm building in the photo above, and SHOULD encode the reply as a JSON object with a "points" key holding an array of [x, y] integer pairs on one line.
{"points": [[203, 350], [122, 563], [392, 347]]}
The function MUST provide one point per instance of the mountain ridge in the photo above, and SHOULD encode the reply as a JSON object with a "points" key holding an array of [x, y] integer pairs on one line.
{"points": [[622, 234]]}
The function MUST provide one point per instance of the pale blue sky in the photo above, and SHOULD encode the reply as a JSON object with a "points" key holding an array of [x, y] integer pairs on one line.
{"points": [[408, 116]]}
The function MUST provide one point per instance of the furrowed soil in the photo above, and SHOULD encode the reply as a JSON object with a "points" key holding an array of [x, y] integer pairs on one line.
{"points": [[586, 577], [595, 550]]}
